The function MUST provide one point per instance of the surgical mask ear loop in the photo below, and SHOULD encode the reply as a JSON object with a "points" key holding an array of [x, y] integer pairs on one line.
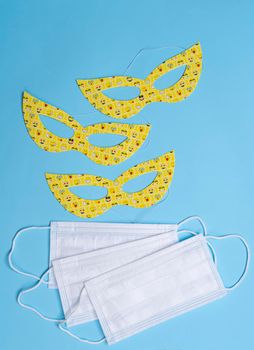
{"points": [[59, 321], [28, 307], [192, 218], [10, 254], [247, 261], [209, 244], [82, 340]]}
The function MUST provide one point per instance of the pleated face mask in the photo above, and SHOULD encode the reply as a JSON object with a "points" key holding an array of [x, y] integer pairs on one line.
{"points": [[93, 88], [71, 238], [153, 289], [137, 295], [132, 297], [72, 272], [135, 135]]}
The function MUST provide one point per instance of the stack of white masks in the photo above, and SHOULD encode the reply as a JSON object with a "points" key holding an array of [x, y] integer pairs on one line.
{"points": [[128, 276]]}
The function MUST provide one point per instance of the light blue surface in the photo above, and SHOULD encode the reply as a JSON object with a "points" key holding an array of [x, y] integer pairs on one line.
{"points": [[45, 46]]}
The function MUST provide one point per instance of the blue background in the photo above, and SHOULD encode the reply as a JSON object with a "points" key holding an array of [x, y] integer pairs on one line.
{"points": [[45, 46]]}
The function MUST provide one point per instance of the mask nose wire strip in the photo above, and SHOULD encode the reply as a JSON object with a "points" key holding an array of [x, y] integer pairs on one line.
{"points": [[247, 261], [10, 254], [28, 307], [82, 340], [192, 218]]}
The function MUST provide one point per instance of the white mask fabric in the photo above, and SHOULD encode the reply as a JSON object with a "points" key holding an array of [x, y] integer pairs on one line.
{"points": [[70, 238], [72, 272], [72, 315], [167, 283], [149, 290], [67, 239]]}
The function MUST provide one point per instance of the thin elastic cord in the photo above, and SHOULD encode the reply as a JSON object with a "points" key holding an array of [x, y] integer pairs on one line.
{"points": [[28, 307], [209, 244], [12, 251], [133, 60], [191, 218], [71, 334], [148, 49], [56, 320], [247, 261], [82, 340]]}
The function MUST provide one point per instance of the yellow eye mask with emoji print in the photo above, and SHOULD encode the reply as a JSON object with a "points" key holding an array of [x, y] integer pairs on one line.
{"points": [[93, 88], [135, 134], [60, 186]]}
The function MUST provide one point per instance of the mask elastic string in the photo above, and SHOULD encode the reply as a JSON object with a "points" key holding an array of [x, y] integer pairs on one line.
{"points": [[209, 244], [130, 64], [28, 307], [247, 261], [192, 218], [10, 254], [152, 49], [82, 340]]}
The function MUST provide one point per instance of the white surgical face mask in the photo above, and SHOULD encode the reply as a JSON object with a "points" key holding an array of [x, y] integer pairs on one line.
{"points": [[70, 238], [72, 272], [67, 239], [157, 287], [146, 292]]}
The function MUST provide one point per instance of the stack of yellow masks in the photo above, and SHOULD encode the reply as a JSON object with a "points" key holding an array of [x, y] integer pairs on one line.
{"points": [[135, 135]]}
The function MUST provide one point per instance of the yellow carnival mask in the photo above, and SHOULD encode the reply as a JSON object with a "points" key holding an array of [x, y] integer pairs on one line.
{"points": [[33, 108], [191, 58], [60, 186]]}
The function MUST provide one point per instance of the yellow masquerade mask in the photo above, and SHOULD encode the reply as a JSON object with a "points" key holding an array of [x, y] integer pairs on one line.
{"points": [[60, 186], [33, 108], [191, 58]]}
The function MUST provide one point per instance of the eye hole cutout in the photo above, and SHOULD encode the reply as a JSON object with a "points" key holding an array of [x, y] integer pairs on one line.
{"points": [[56, 127], [139, 183], [89, 192], [106, 140], [170, 78], [122, 93]]}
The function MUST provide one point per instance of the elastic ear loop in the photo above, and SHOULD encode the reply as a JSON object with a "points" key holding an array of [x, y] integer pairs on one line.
{"points": [[28, 307], [247, 261], [150, 49], [182, 222], [191, 218], [208, 243], [130, 64], [82, 340], [56, 320], [12, 251]]}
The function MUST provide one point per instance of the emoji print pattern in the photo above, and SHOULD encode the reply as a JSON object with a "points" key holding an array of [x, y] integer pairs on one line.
{"points": [[191, 58], [135, 133], [60, 185]]}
